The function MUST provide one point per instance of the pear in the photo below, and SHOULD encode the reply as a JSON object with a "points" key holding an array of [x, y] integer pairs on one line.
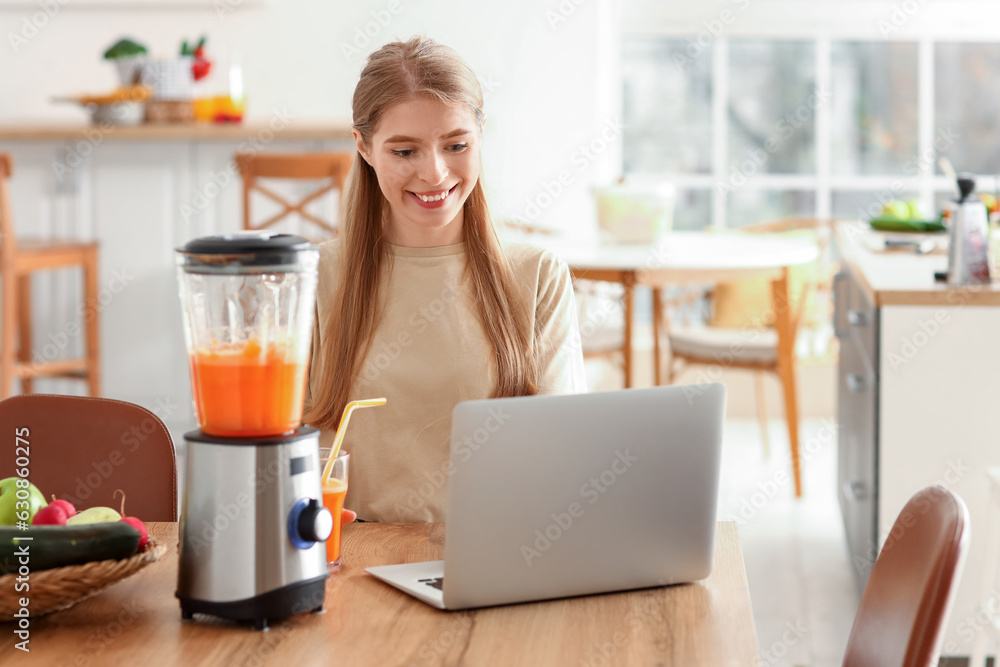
{"points": [[94, 515]]}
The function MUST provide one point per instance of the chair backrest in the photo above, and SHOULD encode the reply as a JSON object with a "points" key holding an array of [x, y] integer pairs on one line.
{"points": [[7, 243], [740, 303], [333, 168], [901, 618], [82, 449]]}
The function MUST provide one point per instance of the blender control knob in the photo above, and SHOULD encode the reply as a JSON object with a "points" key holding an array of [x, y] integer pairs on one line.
{"points": [[309, 522]]}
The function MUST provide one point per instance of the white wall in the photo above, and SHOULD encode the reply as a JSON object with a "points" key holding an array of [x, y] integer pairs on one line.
{"points": [[552, 74]]}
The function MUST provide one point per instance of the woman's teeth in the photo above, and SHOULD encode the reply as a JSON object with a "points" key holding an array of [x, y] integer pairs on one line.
{"points": [[439, 197]]}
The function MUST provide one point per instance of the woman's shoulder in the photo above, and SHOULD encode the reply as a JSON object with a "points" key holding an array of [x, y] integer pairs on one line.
{"points": [[525, 257], [329, 268], [330, 254], [329, 250]]}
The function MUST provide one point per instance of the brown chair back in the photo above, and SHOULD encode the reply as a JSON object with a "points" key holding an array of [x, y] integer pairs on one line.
{"points": [[901, 618], [330, 167], [82, 449]]}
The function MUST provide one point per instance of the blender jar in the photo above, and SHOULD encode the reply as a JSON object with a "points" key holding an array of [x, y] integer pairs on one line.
{"points": [[248, 301]]}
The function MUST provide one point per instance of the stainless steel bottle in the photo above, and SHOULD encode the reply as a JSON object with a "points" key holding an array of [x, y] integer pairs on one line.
{"points": [[968, 240]]}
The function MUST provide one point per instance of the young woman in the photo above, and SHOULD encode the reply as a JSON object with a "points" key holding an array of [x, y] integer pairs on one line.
{"points": [[417, 301]]}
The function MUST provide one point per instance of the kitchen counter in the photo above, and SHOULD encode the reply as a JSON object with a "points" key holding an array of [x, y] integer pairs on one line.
{"points": [[282, 127], [916, 403], [904, 278]]}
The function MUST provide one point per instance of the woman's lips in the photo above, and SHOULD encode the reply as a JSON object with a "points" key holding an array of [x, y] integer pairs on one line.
{"points": [[444, 194]]}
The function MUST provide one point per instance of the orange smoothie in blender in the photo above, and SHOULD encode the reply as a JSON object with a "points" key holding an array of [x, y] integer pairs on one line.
{"points": [[242, 391]]}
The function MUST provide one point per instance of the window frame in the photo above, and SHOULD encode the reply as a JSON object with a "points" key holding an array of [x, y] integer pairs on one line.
{"points": [[800, 20]]}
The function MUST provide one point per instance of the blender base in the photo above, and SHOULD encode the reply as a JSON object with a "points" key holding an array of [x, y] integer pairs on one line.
{"points": [[308, 595]]}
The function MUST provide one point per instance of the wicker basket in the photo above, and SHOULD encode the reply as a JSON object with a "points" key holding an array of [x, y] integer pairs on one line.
{"points": [[62, 587]]}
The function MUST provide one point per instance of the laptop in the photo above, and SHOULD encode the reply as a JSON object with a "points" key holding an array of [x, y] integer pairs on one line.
{"points": [[560, 496]]}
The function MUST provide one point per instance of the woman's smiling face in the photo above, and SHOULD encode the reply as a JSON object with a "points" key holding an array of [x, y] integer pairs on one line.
{"points": [[426, 157]]}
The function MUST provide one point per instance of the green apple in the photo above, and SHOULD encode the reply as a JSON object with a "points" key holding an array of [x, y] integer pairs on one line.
{"points": [[10, 504], [896, 209], [916, 209], [990, 201]]}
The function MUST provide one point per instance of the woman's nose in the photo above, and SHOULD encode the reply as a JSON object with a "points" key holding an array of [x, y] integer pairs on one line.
{"points": [[434, 168]]}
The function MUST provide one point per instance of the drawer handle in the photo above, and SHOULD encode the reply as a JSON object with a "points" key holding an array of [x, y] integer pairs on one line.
{"points": [[856, 382], [856, 491], [838, 280], [856, 318]]}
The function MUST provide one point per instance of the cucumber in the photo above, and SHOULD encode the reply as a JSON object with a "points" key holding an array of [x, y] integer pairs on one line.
{"points": [[56, 546]]}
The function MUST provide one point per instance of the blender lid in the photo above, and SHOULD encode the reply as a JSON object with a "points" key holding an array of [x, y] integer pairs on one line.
{"points": [[245, 252]]}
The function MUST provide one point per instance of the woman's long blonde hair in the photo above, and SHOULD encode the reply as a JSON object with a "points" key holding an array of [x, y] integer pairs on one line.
{"points": [[395, 73]]}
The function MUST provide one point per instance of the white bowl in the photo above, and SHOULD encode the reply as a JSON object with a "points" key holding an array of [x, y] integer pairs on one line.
{"points": [[634, 213], [119, 113]]}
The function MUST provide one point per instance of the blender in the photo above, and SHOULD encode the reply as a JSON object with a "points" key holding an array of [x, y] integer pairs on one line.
{"points": [[252, 521]]}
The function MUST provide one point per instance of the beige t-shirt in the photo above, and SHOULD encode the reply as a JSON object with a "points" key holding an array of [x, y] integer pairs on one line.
{"points": [[430, 352]]}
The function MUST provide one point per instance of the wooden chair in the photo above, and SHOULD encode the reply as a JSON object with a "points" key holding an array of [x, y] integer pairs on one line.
{"points": [[19, 259], [732, 346], [903, 610], [331, 169], [602, 318], [82, 449]]}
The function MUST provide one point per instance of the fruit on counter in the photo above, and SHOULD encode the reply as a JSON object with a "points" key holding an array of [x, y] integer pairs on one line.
{"points": [[54, 514], [9, 501], [50, 515], [133, 521], [65, 504], [123, 48], [991, 202], [56, 546], [94, 515], [140, 528], [897, 209]]}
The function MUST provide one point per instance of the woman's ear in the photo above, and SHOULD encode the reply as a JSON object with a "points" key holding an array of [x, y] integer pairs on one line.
{"points": [[360, 142]]}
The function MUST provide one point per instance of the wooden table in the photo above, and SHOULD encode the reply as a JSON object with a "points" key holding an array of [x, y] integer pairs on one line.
{"points": [[137, 622]]}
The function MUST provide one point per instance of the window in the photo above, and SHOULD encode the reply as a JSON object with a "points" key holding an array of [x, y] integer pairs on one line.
{"points": [[756, 128]]}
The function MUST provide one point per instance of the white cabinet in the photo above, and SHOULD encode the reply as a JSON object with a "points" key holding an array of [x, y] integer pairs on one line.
{"points": [[936, 370]]}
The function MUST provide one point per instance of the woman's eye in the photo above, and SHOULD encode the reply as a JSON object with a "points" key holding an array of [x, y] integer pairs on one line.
{"points": [[402, 152], [458, 148]]}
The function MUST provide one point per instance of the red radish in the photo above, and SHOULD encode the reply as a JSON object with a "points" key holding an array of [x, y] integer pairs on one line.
{"points": [[140, 527], [50, 515], [135, 522], [65, 504]]}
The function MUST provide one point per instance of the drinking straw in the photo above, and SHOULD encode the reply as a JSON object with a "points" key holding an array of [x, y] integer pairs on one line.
{"points": [[338, 439]]}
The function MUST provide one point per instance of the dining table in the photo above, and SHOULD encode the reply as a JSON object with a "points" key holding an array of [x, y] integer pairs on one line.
{"points": [[137, 621], [682, 258]]}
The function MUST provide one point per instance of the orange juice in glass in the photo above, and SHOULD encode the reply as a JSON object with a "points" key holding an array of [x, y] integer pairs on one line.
{"points": [[334, 492]]}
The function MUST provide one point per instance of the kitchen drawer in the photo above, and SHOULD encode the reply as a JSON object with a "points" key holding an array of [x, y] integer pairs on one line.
{"points": [[857, 416], [856, 315]]}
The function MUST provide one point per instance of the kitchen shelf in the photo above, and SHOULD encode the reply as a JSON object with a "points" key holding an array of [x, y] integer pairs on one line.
{"points": [[174, 131]]}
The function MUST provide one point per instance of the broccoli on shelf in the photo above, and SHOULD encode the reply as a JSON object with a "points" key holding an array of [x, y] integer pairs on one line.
{"points": [[124, 47]]}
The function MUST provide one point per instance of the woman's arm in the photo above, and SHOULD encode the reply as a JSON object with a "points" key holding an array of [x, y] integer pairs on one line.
{"points": [[558, 348]]}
